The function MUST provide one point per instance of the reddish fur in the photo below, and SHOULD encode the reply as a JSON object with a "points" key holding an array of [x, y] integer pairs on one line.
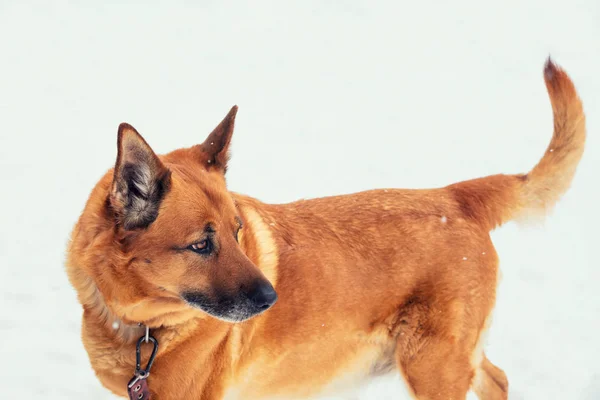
{"points": [[497, 199], [368, 283]]}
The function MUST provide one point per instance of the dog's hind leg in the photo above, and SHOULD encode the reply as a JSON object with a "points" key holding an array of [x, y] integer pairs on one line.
{"points": [[490, 382], [441, 369], [434, 349]]}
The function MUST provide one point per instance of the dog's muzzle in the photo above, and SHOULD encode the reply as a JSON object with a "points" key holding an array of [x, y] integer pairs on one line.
{"points": [[236, 307]]}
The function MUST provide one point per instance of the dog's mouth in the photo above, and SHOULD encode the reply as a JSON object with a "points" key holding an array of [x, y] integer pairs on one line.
{"points": [[237, 308]]}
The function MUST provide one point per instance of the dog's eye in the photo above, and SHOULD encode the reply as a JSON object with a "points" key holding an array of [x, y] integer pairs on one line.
{"points": [[202, 247]]}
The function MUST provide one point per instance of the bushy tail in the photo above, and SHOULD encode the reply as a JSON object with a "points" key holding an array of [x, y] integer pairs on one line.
{"points": [[497, 199]]}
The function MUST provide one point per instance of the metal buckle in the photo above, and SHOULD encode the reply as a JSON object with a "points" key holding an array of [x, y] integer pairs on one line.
{"points": [[142, 374]]}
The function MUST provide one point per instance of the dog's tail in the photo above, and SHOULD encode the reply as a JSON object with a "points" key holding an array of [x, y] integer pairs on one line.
{"points": [[497, 199]]}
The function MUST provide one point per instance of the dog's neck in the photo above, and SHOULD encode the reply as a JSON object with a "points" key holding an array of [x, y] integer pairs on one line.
{"points": [[100, 316]]}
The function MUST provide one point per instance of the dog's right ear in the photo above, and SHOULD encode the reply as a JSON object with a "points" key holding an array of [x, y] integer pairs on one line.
{"points": [[140, 181], [214, 152]]}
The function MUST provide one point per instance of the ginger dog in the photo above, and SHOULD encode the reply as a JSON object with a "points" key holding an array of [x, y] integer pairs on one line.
{"points": [[249, 300]]}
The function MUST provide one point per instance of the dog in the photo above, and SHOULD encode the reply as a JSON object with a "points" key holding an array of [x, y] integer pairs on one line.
{"points": [[239, 299]]}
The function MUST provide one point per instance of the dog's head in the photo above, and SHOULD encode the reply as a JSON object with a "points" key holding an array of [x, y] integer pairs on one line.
{"points": [[159, 235]]}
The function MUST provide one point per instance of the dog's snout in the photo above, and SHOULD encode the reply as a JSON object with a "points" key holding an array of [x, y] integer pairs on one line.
{"points": [[263, 296]]}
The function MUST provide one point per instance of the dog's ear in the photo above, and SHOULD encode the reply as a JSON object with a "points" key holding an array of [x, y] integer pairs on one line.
{"points": [[140, 181], [214, 152]]}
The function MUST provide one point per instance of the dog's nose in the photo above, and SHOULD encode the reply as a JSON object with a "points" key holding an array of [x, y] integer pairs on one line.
{"points": [[263, 296]]}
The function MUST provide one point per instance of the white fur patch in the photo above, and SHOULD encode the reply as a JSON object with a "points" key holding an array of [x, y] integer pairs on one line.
{"points": [[268, 257]]}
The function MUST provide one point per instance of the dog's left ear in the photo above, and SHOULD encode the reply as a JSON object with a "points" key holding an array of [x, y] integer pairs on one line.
{"points": [[215, 149]]}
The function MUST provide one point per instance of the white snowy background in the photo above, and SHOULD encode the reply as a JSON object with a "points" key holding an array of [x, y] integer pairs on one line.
{"points": [[335, 97]]}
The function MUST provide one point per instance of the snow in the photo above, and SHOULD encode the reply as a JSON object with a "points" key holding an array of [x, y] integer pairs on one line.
{"points": [[334, 98]]}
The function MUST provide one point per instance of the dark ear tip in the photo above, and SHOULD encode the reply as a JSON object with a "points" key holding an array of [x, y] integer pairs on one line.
{"points": [[232, 113], [124, 128], [128, 132]]}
